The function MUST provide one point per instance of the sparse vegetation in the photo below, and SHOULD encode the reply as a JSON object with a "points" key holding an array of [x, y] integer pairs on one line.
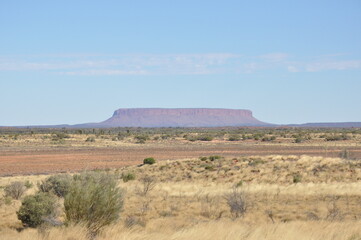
{"points": [[36, 208], [297, 178], [90, 139], [237, 202], [94, 199], [128, 176], [192, 197], [148, 184], [57, 184], [15, 190]]}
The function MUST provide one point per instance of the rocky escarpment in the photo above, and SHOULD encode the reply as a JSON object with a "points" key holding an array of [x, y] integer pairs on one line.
{"points": [[181, 117]]}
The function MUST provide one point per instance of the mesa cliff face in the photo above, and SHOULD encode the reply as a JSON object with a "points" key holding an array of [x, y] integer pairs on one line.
{"points": [[181, 117]]}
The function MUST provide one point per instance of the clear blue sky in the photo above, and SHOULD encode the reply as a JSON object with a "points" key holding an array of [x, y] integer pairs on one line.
{"points": [[77, 61]]}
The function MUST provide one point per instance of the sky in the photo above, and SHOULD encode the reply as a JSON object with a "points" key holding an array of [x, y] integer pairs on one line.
{"points": [[69, 62]]}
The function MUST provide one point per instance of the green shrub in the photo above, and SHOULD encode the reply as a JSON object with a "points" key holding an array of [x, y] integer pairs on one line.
{"points": [[297, 178], [28, 184], [57, 184], [141, 138], [234, 137], [15, 190], [128, 177], [215, 157], [205, 138], [268, 139], [35, 208], [209, 167], [203, 158], [149, 160], [239, 184], [93, 199]]}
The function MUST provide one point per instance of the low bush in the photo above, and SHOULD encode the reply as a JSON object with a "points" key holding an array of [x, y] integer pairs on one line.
{"points": [[234, 137], [203, 158], [90, 139], [237, 202], [209, 167], [205, 138], [297, 178], [57, 184], [268, 139], [36, 208], [59, 136], [256, 161], [128, 177], [15, 190], [215, 157], [28, 184], [149, 160], [93, 199], [141, 138], [148, 184]]}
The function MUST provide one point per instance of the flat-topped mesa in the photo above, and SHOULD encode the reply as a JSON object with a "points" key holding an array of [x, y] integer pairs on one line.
{"points": [[181, 117], [181, 112]]}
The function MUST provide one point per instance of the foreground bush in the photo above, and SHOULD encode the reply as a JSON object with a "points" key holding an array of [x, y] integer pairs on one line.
{"points": [[93, 199], [57, 184], [36, 208], [15, 190]]}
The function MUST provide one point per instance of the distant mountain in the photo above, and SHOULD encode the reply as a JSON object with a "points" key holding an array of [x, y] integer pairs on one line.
{"points": [[179, 117], [190, 117], [329, 125]]}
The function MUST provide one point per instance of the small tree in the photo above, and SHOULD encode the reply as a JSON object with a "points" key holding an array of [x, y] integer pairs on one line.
{"points": [[15, 190], [36, 208], [94, 199]]}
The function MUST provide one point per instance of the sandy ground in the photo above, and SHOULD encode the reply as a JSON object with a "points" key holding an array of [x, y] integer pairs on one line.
{"points": [[20, 160]]}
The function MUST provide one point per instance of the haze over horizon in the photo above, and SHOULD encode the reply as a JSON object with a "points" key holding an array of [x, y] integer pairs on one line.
{"points": [[77, 62]]}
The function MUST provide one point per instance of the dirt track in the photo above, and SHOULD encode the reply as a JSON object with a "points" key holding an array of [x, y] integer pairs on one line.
{"points": [[28, 161]]}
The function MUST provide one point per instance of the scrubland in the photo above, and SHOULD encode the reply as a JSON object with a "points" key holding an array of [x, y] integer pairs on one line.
{"points": [[47, 151], [284, 196]]}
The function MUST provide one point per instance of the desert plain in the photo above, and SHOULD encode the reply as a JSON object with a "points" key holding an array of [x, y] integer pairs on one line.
{"points": [[295, 183]]}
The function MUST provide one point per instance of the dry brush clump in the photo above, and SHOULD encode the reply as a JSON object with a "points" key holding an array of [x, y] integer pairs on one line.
{"points": [[57, 184], [237, 202], [15, 190], [93, 199]]}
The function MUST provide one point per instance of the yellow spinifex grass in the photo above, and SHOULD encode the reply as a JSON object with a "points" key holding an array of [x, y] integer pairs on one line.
{"points": [[214, 230]]}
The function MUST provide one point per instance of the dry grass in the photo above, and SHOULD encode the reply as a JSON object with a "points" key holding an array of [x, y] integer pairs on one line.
{"points": [[214, 230], [188, 201]]}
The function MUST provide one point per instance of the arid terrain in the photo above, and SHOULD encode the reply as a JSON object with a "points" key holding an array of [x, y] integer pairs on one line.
{"points": [[52, 152], [287, 197], [296, 184]]}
